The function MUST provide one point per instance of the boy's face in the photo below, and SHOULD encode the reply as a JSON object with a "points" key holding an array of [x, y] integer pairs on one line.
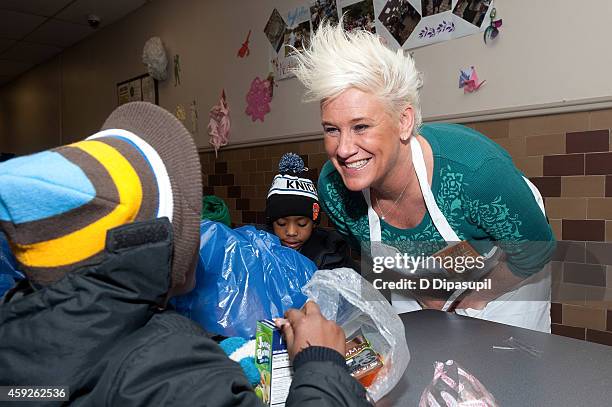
{"points": [[293, 231]]}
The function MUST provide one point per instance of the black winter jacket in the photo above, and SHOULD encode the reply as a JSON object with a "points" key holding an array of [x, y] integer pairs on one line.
{"points": [[328, 250], [100, 332]]}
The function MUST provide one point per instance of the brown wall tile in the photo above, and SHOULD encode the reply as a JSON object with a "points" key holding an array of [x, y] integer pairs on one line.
{"points": [[242, 178], [515, 146], [568, 250], [609, 321], [545, 145], [566, 208], [600, 208], [583, 186], [227, 179], [310, 147], [573, 294], [590, 230], [598, 163], [609, 185], [558, 123], [608, 231], [234, 191], [266, 164], [493, 129], [584, 317], [598, 253], [556, 313], [601, 119], [258, 152], [249, 217], [597, 336], [598, 297], [530, 166], [221, 167], [206, 190], [568, 331], [256, 178], [243, 204], [564, 164], [249, 165], [548, 186], [258, 204], [586, 274], [588, 141]]}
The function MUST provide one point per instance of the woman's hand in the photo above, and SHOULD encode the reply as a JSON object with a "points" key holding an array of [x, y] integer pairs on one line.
{"points": [[307, 327]]}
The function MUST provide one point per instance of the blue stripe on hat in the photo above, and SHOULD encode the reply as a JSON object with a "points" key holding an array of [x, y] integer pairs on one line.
{"points": [[41, 185]]}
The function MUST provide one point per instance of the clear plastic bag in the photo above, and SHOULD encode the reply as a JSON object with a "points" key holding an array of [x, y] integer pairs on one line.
{"points": [[345, 297], [243, 275], [453, 386]]}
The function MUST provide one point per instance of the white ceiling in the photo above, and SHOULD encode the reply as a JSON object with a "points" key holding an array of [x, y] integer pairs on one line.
{"points": [[32, 31]]}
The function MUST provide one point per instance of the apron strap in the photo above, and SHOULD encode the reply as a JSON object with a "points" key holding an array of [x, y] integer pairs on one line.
{"points": [[438, 219]]}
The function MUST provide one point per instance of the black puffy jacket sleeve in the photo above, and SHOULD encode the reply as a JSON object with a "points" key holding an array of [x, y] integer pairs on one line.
{"points": [[192, 370]]}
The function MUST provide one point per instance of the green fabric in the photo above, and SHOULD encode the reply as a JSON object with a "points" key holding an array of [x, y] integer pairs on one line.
{"points": [[215, 209], [478, 189]]}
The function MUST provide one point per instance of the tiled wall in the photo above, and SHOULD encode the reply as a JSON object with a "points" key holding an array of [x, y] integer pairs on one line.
{"points": [[569, 158]]}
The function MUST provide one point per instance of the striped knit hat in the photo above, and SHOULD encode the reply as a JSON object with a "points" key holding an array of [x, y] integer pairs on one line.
{"points": [[56, 206], [290, 194]]}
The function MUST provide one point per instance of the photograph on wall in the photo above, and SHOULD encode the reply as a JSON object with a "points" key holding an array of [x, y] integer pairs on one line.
{"points": [[400, 19], [141, 88], [297, 38], [359, 15], [410, 24], [323, 10], [431, 7], [472, 11], [275, 30]]}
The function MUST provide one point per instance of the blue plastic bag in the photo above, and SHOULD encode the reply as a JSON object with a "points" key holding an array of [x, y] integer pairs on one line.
{"points": [[243, 275], [8, 266]]}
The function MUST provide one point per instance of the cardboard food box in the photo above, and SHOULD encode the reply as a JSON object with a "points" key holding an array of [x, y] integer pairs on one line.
{"points": [[272, 361]]}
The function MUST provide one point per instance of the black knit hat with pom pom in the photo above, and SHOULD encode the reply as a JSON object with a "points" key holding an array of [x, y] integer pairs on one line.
{"points": [[290, 194]]}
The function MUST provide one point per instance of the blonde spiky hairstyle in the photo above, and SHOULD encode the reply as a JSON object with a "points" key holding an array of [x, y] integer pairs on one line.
{"points": [[337, 60]]}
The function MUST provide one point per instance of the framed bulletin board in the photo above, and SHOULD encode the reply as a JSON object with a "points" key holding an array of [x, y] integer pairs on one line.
{"points": [[141, 88]]}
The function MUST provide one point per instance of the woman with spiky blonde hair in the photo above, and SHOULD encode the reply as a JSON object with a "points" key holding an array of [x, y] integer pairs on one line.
{"points": [[391, 179]]}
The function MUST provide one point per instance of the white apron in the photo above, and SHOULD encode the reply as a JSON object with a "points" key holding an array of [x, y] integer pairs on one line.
{"points": [[528, 306]]}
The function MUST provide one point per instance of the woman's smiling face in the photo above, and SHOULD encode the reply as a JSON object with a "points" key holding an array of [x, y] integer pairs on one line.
{"points": [[362, 138]]}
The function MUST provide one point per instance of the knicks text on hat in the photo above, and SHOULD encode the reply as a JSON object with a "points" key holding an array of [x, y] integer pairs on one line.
{"points": [[292, 185]]}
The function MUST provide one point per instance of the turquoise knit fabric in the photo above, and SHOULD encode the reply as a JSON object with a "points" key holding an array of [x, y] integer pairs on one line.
{"points": [[476, 186]]}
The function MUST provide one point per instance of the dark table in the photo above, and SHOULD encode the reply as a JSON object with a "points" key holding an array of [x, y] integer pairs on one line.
{"points": [[568, 372]]}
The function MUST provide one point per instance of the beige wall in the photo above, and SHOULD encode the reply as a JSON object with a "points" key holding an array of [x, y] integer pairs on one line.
{"points": [[30, 118], [81, 92]]}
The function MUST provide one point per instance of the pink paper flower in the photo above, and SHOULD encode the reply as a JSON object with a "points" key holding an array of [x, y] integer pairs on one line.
{"points": [[258, 99]]}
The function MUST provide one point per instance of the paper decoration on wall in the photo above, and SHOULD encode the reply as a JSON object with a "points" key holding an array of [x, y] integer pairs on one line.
{"points": [[180, 113], [219, 124], [258, 99], [154, 57], [410, 24], [286, 38], [359, 15], [323, 10], [177, 70], [492, 30], [272, 82], [193, 112], [468, 80], [275, 30], [244, 49]]}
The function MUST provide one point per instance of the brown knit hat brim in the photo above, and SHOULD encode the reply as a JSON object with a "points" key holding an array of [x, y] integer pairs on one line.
{"points": [[176, 148]]}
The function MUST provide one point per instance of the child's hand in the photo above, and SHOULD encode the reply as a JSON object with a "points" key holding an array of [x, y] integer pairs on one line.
{"points": [[307, 327]]}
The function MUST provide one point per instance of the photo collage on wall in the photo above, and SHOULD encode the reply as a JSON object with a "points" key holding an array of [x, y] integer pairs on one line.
{"points": [[406, 24]]}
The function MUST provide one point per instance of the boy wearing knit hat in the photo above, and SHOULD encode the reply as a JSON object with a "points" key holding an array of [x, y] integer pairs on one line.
{"points": [[106, 230], [293, 212]]}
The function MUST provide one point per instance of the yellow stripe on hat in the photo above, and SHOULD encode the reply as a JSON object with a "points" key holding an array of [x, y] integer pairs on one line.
{"points": [[91, 239]]}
